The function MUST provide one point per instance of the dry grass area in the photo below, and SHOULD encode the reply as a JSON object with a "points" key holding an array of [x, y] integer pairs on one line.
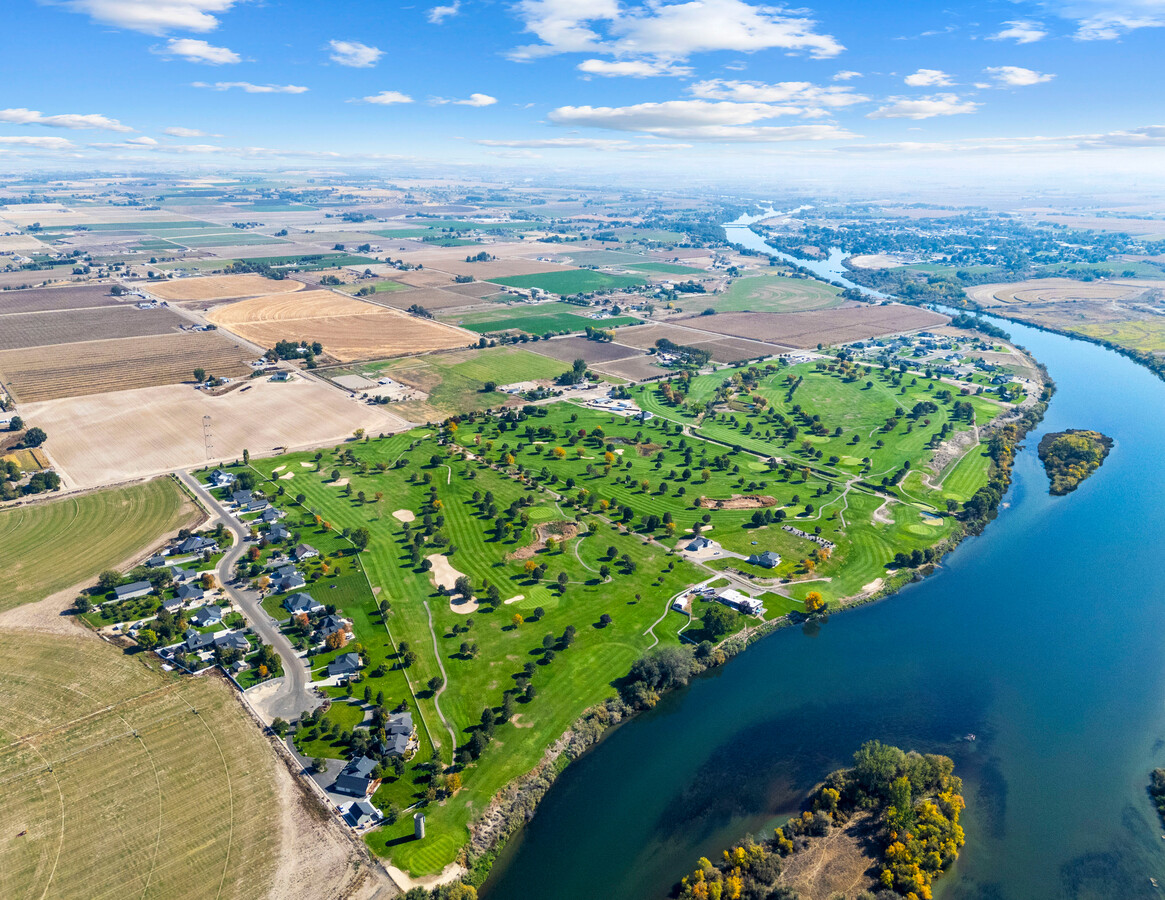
{"points": [[122, 782], [636, 368], [825, 326], [1055, 290], [644, 336], [568, 349], [349, 329], [95, 367], [220, 287], [839, 863], [114, 437]]}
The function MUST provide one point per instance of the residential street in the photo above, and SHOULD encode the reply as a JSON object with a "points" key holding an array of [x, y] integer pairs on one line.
{"points": [[291, 694]]}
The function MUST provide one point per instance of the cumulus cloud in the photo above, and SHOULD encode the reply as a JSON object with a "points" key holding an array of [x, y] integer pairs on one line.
{"points": [[929, 78], [924, 107], [153, 16], [250, 88], [439, 14], [663, 30], [631, 68], [799, 92], [387, 98], [69, 120], [1017, 76], [472, 100], [1022, 31], [847, 75], [697, 120], [178, 131], [355, 54], [194, 50]]}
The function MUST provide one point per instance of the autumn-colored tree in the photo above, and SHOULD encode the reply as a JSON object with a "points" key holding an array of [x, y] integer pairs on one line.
{"points": [[517, 620], [264, 583], [336, 640], [530, 566], [559, 453], [814, 602], [262, 671], [208, 583]]}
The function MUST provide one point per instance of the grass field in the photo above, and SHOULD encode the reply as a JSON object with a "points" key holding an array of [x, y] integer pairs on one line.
{"points": [[767, 293], [666, 269], [121, 781], [540, 318], [52, 546], [573, 281], [1140, 334]]}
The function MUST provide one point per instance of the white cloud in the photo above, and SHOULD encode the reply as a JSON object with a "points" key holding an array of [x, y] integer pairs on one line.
{"points": [[632, 68], [143, 141], [194, 50], [71, 120], [670, 31], [605, 144], [41, 143], [1146, 136], [153, 16], [696, 120], [478, 100], [847, 75], [178, 131], [355, 54], [924, 107], [801, 92], [387, 98], [439, 14], [1022, 31], [1107, 20], [929, 78], [1017, 76], [250, 88]]}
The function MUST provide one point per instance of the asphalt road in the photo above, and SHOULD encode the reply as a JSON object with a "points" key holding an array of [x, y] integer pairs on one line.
{"points": [[292, 693]]}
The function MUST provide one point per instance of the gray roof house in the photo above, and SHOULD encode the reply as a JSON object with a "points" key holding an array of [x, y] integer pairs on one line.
{"points": [[156, 560], [331, 625], [348, 664], [399, 731], [288, 578], [181, 576], [698, 543], [768, 559], [356, 778], [196, 640], [188, 592], [208, 615], [241, 497], [232, 640], [129, 591], [277, 533], [305, 551], [171, 604], [302, 603], [360, 813], [196, 543]]}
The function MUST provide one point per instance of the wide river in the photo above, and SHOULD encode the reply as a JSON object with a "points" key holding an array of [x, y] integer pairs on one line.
{"points": [[1043, 637]]}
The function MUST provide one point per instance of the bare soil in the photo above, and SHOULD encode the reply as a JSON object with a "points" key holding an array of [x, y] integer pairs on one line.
{"points": [[736, 501], [806, 330], [219, 287], [841, 862], [560, 531]]}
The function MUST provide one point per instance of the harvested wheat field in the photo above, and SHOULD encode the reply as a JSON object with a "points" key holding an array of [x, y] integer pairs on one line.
{"points": [[108, 438], [97, 367], [824, 326], [1054, 290], [349, 329], [219, 287]]}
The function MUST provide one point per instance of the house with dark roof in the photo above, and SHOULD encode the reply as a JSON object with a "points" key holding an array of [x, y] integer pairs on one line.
{"points": [[196, 543], [196, 640], [698, 543], [400, 734], [181, 576], [188, 593], [355, 779], [287, 578], [271, 515], [347, 664], [360, 813], [232, 640], [242, 498], [768, 559], [156, 561], [330, 625], [253, 506], [302, 603], [305, 551], [130, 591], [172, 604], [208, 615], [277, 533]]}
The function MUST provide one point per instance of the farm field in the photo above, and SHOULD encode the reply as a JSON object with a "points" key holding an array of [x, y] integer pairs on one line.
{"points": [[159, 801], [106, 438], [539, 318], [826, 327], [73, 296], [348, 328], [768, 294], [644, 336], [41, 329], [95, 367], [219, 287], [1057, 290], [55, 545], [568, 349], [432, 299], [635, 368], [573, 281]]}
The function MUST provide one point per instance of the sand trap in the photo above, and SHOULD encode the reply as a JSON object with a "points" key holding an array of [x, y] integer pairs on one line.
{"points": [[443, 573], [279, 468], [305, 465], [286, 475], [515, 599], [619, 451], [343, 482], [874, 585], [404, 515], [464, 608]]}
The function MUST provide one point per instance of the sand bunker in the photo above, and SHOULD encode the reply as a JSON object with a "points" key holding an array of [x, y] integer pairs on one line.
{"points": [[305, 465], [445, 577], [286, 475], [515, 599], [752, 501], [404, 515], [343, 482], [279, 468]]}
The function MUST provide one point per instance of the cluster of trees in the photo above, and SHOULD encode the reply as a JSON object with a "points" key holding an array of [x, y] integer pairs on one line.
{"points": [[602, 335], [575, 375], [692, 357], [1071, 456], [297, 350], [417, 310]]}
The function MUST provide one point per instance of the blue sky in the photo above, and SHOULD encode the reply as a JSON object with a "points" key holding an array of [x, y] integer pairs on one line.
{"points": [[661, 84]]}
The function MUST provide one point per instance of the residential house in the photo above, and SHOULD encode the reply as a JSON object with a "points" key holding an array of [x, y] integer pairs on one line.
{"points": [[288, 578], [330, 625], [347, 664], [181, 576], [355, 779], [220, 478], [241, 498], [768, 559], [208, 615], [172, 604], [130, 591], [305, 551], [252, 506], [188, 593], [277, 533], [360, 813], [698, 543], [196, 543], [156, 561], [738, 601], [232, 640], [301, 603], [271, 515], [196, 640], [399, 734]]}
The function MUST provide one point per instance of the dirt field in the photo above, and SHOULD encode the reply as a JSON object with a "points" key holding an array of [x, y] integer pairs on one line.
{"points": [[839, 863], [108, 438], [635, 369], [95, 367], [645, 336], [72, 296], [433, 299], [41, 329], [827, 326], [219, 287], [569, 349], [732, 350], [1052, 290], [349, 329]]}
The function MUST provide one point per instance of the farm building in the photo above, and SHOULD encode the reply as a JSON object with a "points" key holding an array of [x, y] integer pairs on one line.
{"points": [[130, 591]]}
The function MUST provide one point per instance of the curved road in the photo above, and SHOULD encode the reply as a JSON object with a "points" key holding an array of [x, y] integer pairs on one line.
{"points": [[293, 693]]}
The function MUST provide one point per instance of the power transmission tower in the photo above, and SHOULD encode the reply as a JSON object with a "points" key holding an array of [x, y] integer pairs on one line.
{"points": [[207, 438]]}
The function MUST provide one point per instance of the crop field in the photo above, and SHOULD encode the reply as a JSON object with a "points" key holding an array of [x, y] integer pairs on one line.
{"points": [[1146, 334], [379, 287], [732, 350], [40, 329], [120, 781], [51, 546], [568, 349], [97, 367], [635, 368], [535, 319], [348, 328], [825, 327], [432, 299], [572, 281], [660, 268], [220, 287], [768, 294], [73, 296], [107, 438], [226, 239], [1056, 290]]}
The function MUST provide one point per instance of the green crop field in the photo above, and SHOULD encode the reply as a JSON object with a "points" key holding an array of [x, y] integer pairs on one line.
{"points": [[227, 239], [541, 318], [667, 269], [121, 781], [57, 544], [767, 293], [379, 287], [572, 281]]}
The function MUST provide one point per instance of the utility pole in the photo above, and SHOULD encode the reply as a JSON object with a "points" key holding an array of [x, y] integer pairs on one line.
{"points": [[207, 438]]}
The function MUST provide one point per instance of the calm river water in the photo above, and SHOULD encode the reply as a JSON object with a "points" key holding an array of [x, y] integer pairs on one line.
{"points": [[1043, 637]]}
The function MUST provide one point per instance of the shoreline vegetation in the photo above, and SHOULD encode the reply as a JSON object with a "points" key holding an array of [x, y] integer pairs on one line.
{"points": [[889, 825], [1069, 457]]}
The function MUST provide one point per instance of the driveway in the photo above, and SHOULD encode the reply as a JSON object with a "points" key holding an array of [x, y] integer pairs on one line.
{"points": [[292, 693]]}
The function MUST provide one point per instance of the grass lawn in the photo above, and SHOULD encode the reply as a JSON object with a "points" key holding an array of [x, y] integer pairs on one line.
{"points": [[572, 281], [60, 543], [538, 318], [343, 713]]}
